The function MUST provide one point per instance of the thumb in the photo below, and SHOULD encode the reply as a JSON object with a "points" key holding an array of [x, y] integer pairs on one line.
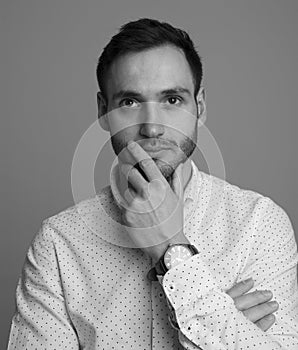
{"points": [[177, 181]]}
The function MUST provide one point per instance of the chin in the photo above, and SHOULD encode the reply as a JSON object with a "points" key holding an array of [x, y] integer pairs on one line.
{"points": [[167, 169]]}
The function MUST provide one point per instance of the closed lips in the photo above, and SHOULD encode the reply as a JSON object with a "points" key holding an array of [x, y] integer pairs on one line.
{"points": [[154, 149]]}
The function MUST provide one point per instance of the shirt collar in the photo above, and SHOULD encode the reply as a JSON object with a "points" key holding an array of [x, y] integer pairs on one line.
{"points": [[192, 189], [190, 192]]}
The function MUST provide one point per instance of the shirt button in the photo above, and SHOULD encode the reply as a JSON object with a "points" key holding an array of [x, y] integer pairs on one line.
{"points": [[172, 287], [189, 327]]}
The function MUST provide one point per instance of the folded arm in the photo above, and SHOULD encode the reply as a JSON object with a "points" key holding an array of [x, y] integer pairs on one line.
{"points": [[208, 317]]}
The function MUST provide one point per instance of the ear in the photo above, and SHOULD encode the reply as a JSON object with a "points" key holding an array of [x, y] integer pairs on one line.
{"points": [[102, 111], [201, 104]]}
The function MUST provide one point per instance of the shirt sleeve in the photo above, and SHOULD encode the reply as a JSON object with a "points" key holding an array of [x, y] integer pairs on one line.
{"points": [[41, 320], [206, 315]]}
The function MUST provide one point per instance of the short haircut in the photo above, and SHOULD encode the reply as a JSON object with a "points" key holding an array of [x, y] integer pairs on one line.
{"points": [[144, 34]]}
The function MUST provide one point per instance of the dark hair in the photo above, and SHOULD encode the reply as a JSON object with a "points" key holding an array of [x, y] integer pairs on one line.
{"points": [[143, 34]]}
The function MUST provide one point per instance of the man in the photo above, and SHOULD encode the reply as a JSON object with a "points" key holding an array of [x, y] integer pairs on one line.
{"points": [[167, 257]]}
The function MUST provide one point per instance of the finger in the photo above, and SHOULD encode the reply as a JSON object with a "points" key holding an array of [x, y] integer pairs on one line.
{"points": [[249, 300], [240, 288], [133, 176], [129, 195], [266, 322], [177, 181], [146, 163], [256, 313]]}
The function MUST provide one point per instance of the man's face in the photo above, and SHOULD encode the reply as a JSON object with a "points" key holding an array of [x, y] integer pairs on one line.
{"points": [[150, 97]]}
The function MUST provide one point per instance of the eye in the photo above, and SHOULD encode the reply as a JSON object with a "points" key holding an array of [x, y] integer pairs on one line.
{"points": [[174, 100], [128, 102]]}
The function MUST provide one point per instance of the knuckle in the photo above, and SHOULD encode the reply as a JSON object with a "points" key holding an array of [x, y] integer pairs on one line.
{"points": [[127, 195], [246, 313], [144, 192], [230, 292], [131, 174], [144, 163], [124, 218], [159, 184], [156, 187], [134, 206], [132, 171], [128, 216], [237, 303]]}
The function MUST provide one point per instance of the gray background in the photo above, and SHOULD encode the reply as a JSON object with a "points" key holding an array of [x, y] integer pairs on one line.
{"points": [[49, 51]]}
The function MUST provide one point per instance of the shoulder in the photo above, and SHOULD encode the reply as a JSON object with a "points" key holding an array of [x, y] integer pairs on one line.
{"points": [[242, 202], [73, 218]]}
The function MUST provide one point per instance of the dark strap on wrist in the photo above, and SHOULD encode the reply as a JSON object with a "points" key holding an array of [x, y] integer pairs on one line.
{"points": [[159, 270], [152, 275], [156, 270]]}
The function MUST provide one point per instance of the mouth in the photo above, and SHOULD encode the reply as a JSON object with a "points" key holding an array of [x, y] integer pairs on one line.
{"points": [[154, 149], [154, 146]]}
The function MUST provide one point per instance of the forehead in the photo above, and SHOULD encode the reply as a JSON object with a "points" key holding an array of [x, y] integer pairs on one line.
{"points": [[150, 71]]}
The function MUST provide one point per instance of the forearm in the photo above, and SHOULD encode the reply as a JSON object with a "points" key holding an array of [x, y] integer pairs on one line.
{"points": [[206, 315]]}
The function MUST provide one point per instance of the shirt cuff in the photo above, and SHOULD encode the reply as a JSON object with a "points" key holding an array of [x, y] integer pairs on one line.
{"points": [[187, 282]]}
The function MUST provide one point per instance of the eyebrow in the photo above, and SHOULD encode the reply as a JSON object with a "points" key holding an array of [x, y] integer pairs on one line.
{"points": [[136, 94]]}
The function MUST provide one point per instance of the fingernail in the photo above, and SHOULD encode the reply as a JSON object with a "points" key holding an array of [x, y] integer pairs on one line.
{"points": [[267, 293], [274, 304], [248, 280]]}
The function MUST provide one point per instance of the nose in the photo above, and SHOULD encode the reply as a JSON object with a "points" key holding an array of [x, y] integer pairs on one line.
{"points": [[151, 126]]}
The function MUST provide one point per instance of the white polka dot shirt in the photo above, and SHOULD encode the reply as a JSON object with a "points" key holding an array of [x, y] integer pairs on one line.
{"points": [[84, 286]]}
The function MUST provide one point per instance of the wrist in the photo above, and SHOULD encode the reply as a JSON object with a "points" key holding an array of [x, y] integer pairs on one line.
{"points": [[175, 254], [159, 250]]}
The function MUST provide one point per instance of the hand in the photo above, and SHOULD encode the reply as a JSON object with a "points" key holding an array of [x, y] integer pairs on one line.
{"points": [[153, 211], [256, 305]]}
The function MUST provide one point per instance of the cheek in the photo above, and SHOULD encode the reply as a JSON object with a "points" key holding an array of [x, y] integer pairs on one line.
{"points": [[183, 124], [124, 128], [119, 143], [184, 131], [127, 134]]}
